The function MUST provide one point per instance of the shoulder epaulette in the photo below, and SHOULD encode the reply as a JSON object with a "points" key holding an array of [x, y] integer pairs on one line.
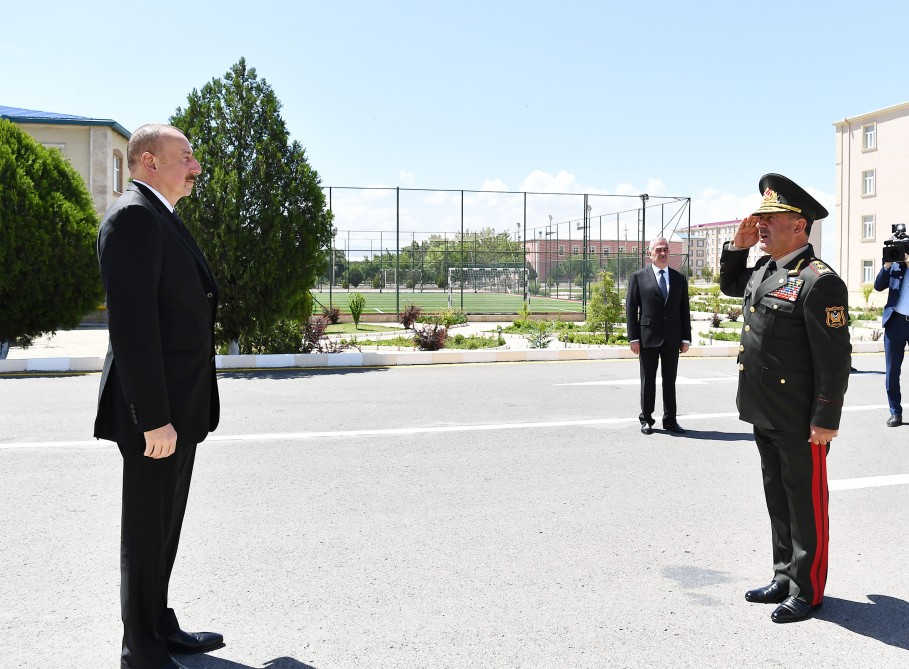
{"points": [[819, 267]]}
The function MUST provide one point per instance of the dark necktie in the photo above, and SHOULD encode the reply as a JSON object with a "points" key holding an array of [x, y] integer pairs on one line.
{"points": [[663, 287], [771, 268]]}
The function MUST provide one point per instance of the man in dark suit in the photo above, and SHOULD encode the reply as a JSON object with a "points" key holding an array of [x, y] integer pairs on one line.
{"points": [[659, 328], [794, 363], [895, 322], [159, 395]]}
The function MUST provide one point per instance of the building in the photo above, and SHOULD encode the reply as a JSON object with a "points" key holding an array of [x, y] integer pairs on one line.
{"points": [[872, 162], [96, 148], [545, 255]]}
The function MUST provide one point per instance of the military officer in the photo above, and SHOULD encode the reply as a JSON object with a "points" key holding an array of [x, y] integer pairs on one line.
{"points": [[794, 363]]}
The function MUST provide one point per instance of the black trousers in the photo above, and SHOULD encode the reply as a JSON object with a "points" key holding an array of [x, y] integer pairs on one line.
{"points": [[665, 357], [155, 493], [795, 487]]}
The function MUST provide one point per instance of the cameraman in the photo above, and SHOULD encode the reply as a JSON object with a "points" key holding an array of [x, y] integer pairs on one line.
{"points": [[896, 330]]}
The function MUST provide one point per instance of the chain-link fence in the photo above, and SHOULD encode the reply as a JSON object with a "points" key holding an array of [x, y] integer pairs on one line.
{"points": [[489, 251]]}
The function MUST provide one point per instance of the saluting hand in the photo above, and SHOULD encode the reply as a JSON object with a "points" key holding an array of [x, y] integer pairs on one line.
{"points": [[161, 442], [747, 234]]}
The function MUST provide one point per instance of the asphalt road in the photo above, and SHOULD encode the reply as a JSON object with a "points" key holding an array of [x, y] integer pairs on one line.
{"points": [[498, 515]]}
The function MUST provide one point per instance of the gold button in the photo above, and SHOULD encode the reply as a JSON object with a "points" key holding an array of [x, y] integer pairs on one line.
{"points": [[741, 348], [741, 367], [782, 281], [747, 328], [782, 380], [751, 309], [776, 306]]}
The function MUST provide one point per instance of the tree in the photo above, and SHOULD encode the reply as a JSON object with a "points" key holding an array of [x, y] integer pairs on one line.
{"points": [[605, 306], [258, 211], [49, 277]]}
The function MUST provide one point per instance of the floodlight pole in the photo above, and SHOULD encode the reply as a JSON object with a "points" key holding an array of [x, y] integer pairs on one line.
{"points": [[644, 198], [334, 231]]}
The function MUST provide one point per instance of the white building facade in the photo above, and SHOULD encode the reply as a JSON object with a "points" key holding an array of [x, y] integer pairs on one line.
{"points": [[872, 163]]}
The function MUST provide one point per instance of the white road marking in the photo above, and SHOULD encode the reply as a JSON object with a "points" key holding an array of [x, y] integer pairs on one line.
{"points": [[844, 484], [679, 381]]}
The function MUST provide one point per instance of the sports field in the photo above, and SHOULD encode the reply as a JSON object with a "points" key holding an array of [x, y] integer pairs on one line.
{"points": [[474, 303]]}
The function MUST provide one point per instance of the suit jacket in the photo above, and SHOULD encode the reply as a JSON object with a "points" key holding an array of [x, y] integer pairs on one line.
{"points": [[890, 277], [161, 305], [795, 354], [648, 318]]}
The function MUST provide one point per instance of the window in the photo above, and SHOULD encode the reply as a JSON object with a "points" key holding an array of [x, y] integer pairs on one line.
{"points": [[700, 253], [621, 249], [868, 227], [592, 249], [868, 182], [605, 250], [575, 249], [867, 271], [869, 137], [118, 172], [561, 249], [60, 147]]}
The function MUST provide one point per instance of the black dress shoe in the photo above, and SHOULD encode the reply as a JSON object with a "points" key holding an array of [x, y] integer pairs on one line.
{"points": [[774, 593], [675, 428], [791, 610], [895, 420], [646, 429], [187, 643]]}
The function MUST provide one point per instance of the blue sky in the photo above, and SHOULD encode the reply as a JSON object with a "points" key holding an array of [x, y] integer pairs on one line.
{"points": [[673, 99]]}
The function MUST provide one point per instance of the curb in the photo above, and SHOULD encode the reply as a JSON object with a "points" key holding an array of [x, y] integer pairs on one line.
{"points": [[391, 358]]}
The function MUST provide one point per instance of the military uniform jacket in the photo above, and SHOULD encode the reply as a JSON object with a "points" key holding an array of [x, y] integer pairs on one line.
{"points": [[795, 355]]}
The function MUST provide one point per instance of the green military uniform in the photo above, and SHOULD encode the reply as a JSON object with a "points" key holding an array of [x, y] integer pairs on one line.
{"points": [[794, 362]]}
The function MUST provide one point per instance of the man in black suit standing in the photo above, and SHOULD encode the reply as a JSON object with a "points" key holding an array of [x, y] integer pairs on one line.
{"points": [[159, 395], [659, 328]]}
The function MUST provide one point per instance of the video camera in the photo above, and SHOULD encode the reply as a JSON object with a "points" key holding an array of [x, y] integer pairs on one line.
{"points": [[896, 248]]}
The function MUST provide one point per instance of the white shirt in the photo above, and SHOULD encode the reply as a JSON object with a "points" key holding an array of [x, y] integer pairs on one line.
{"points": [[167, 204]]}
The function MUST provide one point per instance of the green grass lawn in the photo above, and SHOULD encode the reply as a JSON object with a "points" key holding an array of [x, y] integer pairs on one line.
{"points": [[474, 303]]}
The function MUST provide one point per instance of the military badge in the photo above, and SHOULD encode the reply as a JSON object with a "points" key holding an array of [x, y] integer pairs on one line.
{"points": [[790, 291], [819, 267], [836, 317]]}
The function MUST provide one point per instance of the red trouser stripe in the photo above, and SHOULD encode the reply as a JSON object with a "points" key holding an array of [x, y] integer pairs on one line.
{"points": [[821, 526]]}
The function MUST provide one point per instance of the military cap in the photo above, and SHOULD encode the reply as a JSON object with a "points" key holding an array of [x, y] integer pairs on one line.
{"points": [[783, 194]]}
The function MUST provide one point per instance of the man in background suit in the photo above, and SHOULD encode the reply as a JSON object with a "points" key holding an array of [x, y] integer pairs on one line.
{"points": [[895, 322], [659, 328], [159, 394]]}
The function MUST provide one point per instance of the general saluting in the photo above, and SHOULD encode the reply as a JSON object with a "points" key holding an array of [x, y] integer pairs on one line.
{"points": [[794, 362]]}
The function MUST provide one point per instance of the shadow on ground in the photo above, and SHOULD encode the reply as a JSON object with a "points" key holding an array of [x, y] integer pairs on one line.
{"points": [[882, 618]]}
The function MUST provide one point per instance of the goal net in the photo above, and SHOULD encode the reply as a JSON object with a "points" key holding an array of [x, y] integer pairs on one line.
{"points": [[497, 280]]}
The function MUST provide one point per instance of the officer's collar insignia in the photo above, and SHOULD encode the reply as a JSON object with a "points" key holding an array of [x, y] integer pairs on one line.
{"points": [[795, 271], [836, 317], [789, 292]]}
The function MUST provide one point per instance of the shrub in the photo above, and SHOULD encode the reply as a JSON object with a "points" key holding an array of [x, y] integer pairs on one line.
{"points": [[332, 315], [410, 315], [356, 302], [314, 333], [282, 336], [446, 317], [354, 277], [540, 335], [472, 342], [430, 337], [442, 281], [715, 320], [410, 284], [734, 314], [377, 282], [721, 336]]}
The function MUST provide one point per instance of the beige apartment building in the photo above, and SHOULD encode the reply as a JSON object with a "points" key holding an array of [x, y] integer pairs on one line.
{"points": [[872, 163], [96, 148]]}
